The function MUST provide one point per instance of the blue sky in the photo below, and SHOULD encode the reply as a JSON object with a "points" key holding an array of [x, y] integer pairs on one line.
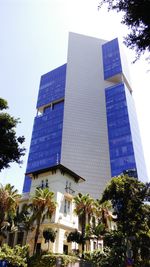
{"points": [[33, 41]]}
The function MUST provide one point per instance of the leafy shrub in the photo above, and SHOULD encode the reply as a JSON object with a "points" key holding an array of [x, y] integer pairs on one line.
{"points": [[49, 260], [99, 257], [16, 256], [49, 235], [75, 236]]}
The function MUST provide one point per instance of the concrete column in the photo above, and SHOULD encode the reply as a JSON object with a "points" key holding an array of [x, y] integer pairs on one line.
{"points": [[59, 241]]}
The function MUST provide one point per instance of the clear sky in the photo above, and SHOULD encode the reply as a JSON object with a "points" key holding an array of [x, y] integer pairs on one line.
{"points": [[33, 41]]}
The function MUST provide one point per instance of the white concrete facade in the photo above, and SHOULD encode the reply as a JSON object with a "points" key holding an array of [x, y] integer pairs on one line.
{"points": [[85, 139], [64, 186]]}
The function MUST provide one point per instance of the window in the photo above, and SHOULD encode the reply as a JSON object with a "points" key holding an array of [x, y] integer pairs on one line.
{"points": [[124, 149], [38, 248], [68, 188], [67, 206], [11, 239], [20, 237], [94, 245]]}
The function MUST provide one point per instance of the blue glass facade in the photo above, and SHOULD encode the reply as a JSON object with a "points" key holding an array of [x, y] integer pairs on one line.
{"points": [[27, 184], [45, 147], [111, 59], [119, 133], [52, 86]]}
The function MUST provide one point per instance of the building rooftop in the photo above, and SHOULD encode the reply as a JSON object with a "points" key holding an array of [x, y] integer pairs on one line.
{"points": [[63, 170]]}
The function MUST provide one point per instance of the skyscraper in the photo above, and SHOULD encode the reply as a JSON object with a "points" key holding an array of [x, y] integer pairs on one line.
{"points": [[86, 119]]}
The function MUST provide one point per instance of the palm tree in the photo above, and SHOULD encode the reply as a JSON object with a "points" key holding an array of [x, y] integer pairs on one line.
{"points": [[42, 206], [9, 199], [84, 207], [103, 213]]}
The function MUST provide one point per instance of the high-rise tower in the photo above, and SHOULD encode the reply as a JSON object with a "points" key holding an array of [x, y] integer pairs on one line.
{"points": [[86, 118]]}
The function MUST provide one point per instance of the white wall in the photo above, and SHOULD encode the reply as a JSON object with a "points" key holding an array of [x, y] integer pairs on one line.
{"points": [[85, 141], [57, 184], [61, 222]]}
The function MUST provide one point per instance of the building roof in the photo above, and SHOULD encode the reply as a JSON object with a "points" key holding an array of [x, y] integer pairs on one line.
{"points": [[63, 170]]}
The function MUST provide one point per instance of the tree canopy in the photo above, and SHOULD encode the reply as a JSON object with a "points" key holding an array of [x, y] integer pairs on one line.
{"points": [[49, 235], [10, 145], [129, 199], [128, 196], [136, 17], [75, 236]]}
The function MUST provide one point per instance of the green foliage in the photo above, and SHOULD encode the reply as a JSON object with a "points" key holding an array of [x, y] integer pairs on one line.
{"points": [[123, 247], [24, 219], [128, 197], [10, 150], [100, 258], [108, 257], [3, 104], [84, 207], [136, 17], [103, 215], [49, 260], [75, 236], [49, 235], [144, 241], [115, 240], [98, 230], [8, 201], [83, 204], [94, 231], [8, 206], [16, 256], [42, 206]]}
